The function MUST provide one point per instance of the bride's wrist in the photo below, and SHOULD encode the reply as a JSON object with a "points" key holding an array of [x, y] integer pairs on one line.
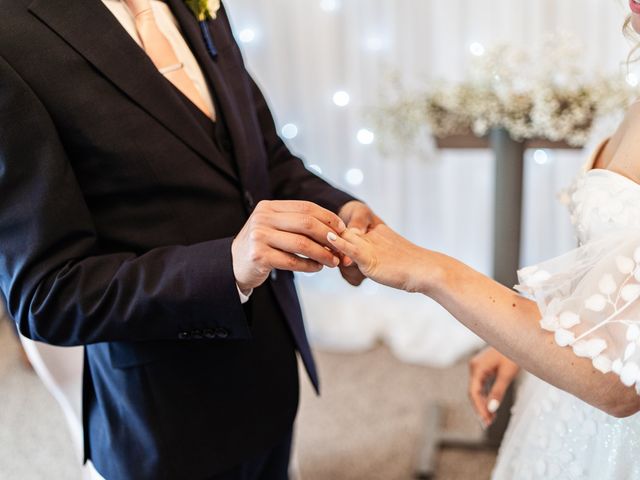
{"points": [[429, 274]]}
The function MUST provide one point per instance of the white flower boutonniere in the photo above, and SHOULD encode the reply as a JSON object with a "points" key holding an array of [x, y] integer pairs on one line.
{"points": [[214, 6], [204, 9]]}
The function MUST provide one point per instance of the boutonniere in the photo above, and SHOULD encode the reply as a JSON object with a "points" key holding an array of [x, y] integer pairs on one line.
{"points": [[205, 10]]}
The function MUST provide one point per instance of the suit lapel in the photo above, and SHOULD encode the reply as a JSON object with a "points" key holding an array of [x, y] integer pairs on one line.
{"points": [[212, 70], [95, 33]]}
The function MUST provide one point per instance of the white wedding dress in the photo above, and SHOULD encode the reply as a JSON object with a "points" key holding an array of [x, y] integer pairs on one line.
{"points": [[590, 299]]}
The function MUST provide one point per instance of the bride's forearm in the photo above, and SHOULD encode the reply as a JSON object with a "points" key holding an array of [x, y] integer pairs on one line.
{"points": [[510, 323]]}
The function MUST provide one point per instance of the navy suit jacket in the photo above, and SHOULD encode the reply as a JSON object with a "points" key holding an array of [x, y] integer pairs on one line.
{"points": [[117, 213]]}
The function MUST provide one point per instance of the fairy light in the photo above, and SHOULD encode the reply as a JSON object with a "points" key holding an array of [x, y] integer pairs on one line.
{"points": [[354, 176], [365, 136], [247, 35], [541, 157], [289, 131], [477, 49], [373, 44], [341, 98], [330, 5]]}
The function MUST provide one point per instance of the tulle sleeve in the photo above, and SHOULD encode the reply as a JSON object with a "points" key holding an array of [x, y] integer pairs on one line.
{"points": [[589, 298]]}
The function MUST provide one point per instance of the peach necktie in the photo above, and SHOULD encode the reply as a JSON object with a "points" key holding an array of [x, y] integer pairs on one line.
{"points": [[162, 54]]}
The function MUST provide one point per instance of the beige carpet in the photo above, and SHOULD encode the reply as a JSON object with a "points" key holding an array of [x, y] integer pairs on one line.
{"points": [[368, 423], [366, 426]]}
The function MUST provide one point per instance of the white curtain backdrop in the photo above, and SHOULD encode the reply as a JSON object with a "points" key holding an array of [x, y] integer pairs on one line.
{"points": [[303, 51]]}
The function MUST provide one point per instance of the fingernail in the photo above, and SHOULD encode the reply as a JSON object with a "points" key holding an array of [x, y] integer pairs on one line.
{"points": [[341, 226], [332, 237], [493, 405], [336, 261]]}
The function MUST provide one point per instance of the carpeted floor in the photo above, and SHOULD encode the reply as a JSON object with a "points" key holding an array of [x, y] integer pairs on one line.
{"points": [[366, 426], [368, 422]]}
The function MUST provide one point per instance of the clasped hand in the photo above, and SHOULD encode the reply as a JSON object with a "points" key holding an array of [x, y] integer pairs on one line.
{"points": [[385, 256], [293, 235]]}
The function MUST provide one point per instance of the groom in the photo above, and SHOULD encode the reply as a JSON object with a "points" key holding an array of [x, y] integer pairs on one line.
{"points": [[150, 212]]}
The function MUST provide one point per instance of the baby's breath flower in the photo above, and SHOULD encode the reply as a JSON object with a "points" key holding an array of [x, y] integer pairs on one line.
{"points": [[543, 96]]}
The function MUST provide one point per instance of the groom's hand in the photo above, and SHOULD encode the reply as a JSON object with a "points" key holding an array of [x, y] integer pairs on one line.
{"points": [[283, 235], [359, 216]]}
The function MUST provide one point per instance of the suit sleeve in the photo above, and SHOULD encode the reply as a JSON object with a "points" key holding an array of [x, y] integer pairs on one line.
{"points": [[290, 179], [59, 287]]}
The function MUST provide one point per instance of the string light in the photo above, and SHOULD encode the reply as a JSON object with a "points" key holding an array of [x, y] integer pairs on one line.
{"points": [[541, 157], [373, 44], [477, 49], [289, 131], [341, 98], [247, 35], [365, 137], [354, 176], [330, 5]]}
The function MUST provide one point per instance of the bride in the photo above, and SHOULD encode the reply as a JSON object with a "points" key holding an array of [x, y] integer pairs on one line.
{"points": [[576, 329]]}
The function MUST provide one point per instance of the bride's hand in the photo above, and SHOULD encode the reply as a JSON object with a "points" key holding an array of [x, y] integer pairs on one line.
{"points": [[490, 366], [384, 256]]}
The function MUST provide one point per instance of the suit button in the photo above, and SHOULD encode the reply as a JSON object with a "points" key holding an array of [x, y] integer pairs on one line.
{"points": [[274, 275], [184, 335], [209, 334], [249, 201], [196, 335], [222, 332]]}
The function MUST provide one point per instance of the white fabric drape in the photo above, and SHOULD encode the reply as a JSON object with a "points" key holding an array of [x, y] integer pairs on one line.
{"points": [[302, 51]]}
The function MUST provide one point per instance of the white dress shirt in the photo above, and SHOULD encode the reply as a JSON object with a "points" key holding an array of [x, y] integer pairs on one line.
{"points": [[168, 25]]}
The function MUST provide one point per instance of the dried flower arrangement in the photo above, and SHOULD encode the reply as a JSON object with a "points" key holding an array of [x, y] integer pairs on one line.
{"points": [[546, 95]]}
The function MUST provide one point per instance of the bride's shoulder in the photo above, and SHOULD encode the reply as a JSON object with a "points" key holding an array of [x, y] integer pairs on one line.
{"points": [[622, 154]]}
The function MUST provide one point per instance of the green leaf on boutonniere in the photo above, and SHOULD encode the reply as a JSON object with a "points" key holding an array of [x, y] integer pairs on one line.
{"points": [[204, 9]]}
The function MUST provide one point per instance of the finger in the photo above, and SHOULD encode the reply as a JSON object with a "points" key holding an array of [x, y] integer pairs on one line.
{"points": [[308, 208], [361, 220], [343, 246], [302, 224], [498, 391], [287, 261], [352, 275], [476, 394], [301, 245]]}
